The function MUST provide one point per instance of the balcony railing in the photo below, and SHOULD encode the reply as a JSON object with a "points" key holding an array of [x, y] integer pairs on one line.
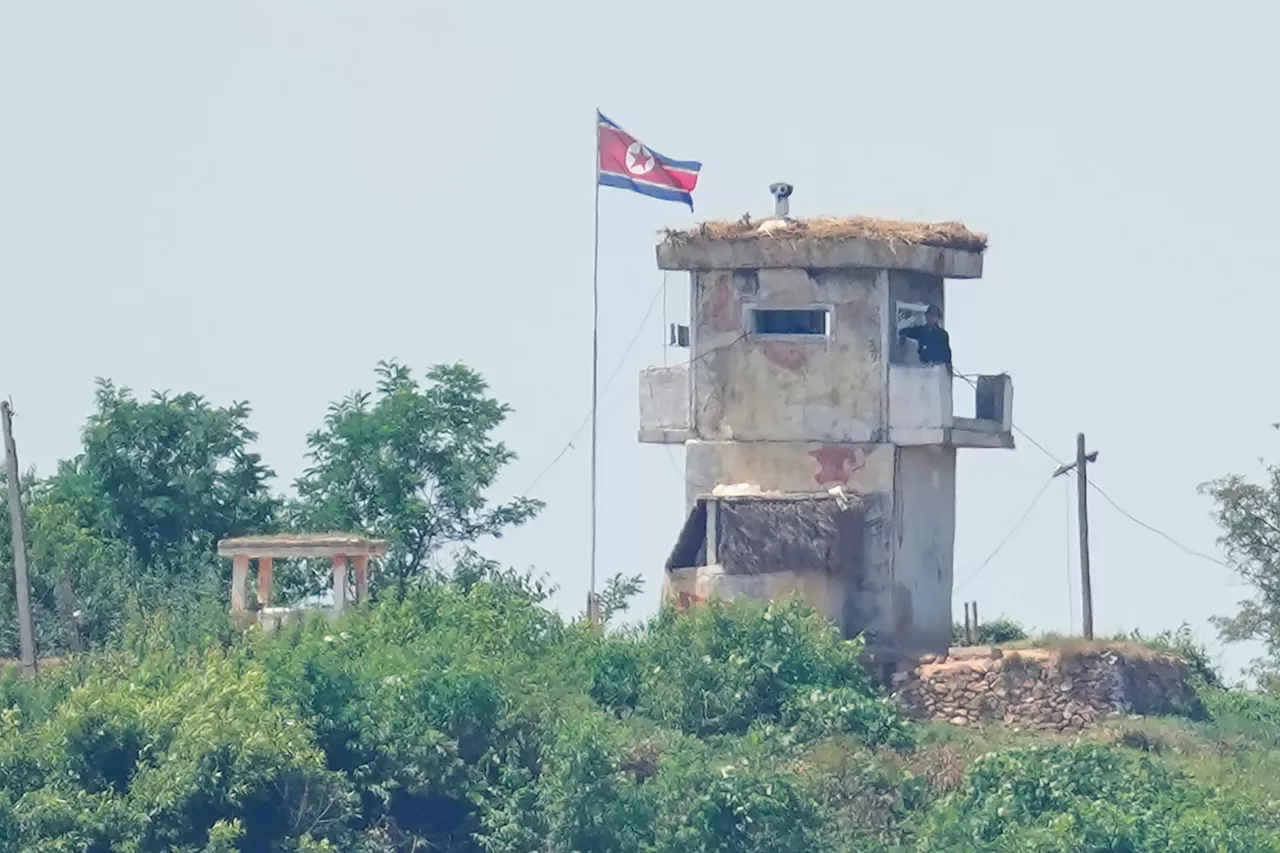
{"points": [[664, 404], [921, 411]]}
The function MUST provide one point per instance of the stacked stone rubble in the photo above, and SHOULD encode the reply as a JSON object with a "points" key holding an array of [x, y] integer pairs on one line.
{"points": [[1028, 689]]}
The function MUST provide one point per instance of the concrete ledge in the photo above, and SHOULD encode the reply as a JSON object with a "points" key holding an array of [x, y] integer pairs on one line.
{"points": [[917, 436], [765, 252], [664, 436], [950, 437], [980, 438], [303, 545]]}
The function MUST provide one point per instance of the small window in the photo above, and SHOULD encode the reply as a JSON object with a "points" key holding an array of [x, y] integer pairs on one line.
{"points": [[910, 314], [789, 321]]}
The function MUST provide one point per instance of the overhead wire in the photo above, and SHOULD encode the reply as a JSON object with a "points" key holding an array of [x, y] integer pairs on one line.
{"points": [[1184, 548], [1124, 512], [568, 445], [1012, 530]]}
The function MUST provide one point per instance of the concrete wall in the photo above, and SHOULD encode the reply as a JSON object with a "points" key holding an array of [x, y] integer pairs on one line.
{"points": [[772, 252], [664, 404], [919, 404], [868, 596], [822, 592], [848, 576], [749, 388], [805, 414], [924, 527], [787, 467]]}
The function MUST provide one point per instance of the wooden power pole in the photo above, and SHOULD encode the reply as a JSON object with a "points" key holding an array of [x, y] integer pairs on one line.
{"points": [[22, 585], [1081, 467]]}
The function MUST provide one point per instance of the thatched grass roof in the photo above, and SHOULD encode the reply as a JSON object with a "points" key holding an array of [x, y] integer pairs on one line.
{"points": [[945, 235]]}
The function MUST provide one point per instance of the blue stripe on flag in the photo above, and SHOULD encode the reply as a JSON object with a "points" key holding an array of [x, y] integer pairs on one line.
{"points": [[664, 193]]}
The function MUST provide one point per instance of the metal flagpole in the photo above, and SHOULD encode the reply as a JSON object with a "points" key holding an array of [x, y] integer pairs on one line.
{"points": [[592, 614]]}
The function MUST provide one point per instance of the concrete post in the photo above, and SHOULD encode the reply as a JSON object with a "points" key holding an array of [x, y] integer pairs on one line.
{"points": [[266, 581], [361, 564], [339, 583], [239, 583]]}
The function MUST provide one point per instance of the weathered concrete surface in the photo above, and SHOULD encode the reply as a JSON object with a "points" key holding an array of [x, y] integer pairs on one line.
{"points": [[832, 552], [664, 404], [868, 595], [787, 467], [688, 587], [919, 403], [921, 414], [924, 513], [767, 252], [762, 388], [798, 415], [993, 400]]}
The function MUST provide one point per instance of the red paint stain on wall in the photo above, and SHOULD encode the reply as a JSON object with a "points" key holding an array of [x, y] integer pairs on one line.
{"points": [[786, 357], [724, 307], [685, 600], [837, 463]]}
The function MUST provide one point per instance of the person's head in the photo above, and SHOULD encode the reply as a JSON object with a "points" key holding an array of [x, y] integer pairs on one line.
{"points": [[933, 315]]}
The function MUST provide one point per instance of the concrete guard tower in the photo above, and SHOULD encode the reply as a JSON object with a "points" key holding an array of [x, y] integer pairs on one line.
{"points": [[821, 455]]}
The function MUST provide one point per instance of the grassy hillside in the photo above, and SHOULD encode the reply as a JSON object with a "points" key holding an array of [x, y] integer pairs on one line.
{"points": [[468, 717]]}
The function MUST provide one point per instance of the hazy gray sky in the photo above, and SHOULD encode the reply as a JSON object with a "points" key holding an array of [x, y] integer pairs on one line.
{"points": [[259, 200]]}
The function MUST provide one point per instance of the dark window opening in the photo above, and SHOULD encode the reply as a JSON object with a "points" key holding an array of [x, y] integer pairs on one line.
{"points": [[789, 321]]}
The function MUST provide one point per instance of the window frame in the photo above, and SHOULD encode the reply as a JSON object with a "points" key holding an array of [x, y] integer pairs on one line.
{"points": [[750, 309]]}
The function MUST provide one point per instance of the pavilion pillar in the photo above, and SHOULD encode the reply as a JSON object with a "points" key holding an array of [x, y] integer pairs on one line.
{"points": [[266, 580], [239, 582], [361, 564], [339, 583]]}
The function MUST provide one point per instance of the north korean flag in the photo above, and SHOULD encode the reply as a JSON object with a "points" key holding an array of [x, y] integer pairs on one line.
{"points": [[627, 164]]}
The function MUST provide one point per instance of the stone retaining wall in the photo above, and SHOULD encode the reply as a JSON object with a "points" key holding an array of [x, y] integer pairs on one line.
{"points": [[1051, 690]]}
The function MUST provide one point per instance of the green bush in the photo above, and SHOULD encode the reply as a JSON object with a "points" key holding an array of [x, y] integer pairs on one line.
{"points": [[721, 669], [1183, 645], [1089, 798], [467, 717], [990, 633]]}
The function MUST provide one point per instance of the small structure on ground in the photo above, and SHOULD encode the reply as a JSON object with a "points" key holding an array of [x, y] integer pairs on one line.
{"points": [[346, 551], [820, 452], [1063, 689]]}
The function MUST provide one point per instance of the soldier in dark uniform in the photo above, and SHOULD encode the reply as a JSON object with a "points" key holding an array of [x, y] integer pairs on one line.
{"points": [[932, 341]]}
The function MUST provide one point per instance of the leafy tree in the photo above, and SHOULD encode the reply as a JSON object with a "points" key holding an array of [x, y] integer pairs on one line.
{"points": [[1248, 514], [169, 476], [616, 596], [131, 521], [411, 462]]}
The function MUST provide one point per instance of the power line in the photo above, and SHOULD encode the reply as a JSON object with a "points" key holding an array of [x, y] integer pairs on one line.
{"points": [[1038, 445], [1007, 536], [1184, 548], [1124, 512], [568, 445]]}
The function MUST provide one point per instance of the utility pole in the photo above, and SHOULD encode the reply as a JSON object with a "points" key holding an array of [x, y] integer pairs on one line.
{"points": [[1081, 467], [21, 586]]}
